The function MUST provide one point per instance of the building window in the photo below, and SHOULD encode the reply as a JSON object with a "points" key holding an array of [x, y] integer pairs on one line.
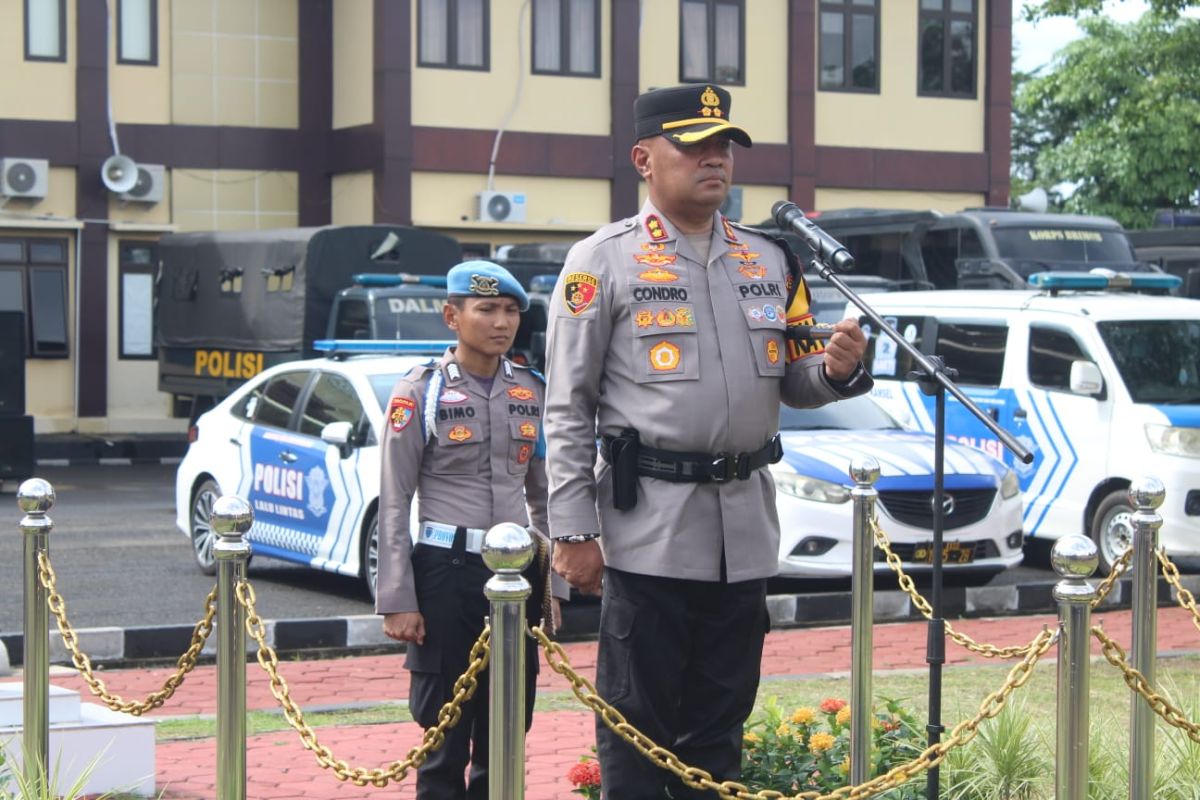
{"points": [[45, 30], [947, 48], [453, 34], [137, 32], [711, 41], [138, 268], [33, 279], [850, 46], [566, 37]]}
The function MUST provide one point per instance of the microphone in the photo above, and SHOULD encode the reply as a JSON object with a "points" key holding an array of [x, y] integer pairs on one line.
{"points": [[829, 250]]}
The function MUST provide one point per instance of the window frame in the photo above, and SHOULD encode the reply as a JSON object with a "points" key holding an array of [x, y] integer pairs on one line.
{"points": [[25, 268], [949, 16], [152, 61], [452, 20], [848, 10], [125, 267], [1050, 328], [711, 42], [564, 39], [62, 33]]}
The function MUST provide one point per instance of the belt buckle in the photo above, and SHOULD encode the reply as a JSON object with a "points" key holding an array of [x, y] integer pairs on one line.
{"points": [[742, 466], [722, 470]]}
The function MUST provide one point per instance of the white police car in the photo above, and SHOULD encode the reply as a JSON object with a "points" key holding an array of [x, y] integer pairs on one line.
{"points": [[1102, 384], [982, 506], [301, 443]]}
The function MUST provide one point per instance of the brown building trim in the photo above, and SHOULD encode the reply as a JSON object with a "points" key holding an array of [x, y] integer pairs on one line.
{"points": [[91, 202], [354, 149], [392, 105], [214, 146], [315, 68], [802, 104], [624, 25], [58, 142], [997, 118], [908, 170], [521, 153]]}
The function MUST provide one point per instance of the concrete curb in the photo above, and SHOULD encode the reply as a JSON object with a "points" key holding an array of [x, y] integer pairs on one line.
{"points": [[113, 645]]}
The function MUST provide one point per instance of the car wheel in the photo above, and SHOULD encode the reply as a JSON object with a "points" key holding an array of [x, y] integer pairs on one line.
{"points": [[1112, 529], [370, 560], [203, 535]]}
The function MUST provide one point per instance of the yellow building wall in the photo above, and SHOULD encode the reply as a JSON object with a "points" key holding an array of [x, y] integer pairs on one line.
{"points": [[235, 62], [829, 199], [43, 90], [208, 200], [897, 118], [353, 62], [352, 198], [141, 94], [448, 200], [761, 105], [456, 98]]}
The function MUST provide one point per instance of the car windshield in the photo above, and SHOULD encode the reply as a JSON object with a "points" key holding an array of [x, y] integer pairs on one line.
{"points": [[855, 413], [381, 386], [410, 317], [1159, 360], [1054, 247]]}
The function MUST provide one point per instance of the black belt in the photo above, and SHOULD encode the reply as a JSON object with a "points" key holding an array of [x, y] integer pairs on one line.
{"points": [[669, 465]]}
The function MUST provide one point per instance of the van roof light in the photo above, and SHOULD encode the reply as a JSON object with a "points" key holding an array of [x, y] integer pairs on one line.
{"points": [[394, 279], [344, 347], [1100, 279]]}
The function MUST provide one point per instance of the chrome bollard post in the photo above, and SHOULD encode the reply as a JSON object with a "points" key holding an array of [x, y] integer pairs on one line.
{"points": [[1147, 495], [507, 550], [1074, 558], [864, 471], [231, 519], [35, 498]]}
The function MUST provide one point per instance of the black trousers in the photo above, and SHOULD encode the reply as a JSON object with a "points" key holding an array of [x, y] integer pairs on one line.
{"points": [[449, 585], [681, 660]]}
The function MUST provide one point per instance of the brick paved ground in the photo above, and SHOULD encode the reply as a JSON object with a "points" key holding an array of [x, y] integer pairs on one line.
{"points": [[279, 767]]}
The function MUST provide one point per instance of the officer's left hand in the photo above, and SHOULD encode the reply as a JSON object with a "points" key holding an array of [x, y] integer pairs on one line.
{"points": [[844, 350]]}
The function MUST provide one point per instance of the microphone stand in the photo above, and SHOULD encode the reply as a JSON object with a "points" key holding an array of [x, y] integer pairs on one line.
{"points": [[934, 378]]}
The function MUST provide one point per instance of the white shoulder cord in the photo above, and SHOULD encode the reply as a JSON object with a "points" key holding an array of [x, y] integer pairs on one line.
{"points": [[432, 394]]}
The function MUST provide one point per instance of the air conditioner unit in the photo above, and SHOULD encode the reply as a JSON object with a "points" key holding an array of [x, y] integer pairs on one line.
{"points": [[24, 177], [732, 207], [149, 186], [502, 206]]}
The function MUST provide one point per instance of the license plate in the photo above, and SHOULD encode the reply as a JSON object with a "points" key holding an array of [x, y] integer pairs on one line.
{"points": [[952, 553]]}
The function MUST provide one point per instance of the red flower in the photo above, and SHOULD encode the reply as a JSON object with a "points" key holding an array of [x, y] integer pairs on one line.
{"points": [[585, 773], [831, 705]]}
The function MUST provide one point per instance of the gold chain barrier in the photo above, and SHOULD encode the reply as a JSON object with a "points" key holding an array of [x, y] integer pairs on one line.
{"points": [[1185, 598], [697, 778], [448, 716], [1138, 683], [922, 605], [186, 663]]}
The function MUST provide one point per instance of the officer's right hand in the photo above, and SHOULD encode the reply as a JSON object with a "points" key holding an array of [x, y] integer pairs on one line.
{"points": [[405, 627], [581, 564]]}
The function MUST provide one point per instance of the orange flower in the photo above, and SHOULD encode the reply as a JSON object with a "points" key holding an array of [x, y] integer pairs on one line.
{"points": [[843, 715], [585, 773], [820, 742], [831, 705], [803, 715]]}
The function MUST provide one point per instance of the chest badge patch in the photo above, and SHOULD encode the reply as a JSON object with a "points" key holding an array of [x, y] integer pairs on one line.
{"points": [[520, 393], [655, 228], [657, 274], [529, 430], [644, 318], [459, 433], [729, 234], [772, 351], [523, 453], [452, 397], [656, 260], [579, 290], [400, 412], [753, 271], [664, 357]]}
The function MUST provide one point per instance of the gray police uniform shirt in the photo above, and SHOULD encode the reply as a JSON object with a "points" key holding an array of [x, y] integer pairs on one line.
{"points": [[645, 334], [480, 467]]}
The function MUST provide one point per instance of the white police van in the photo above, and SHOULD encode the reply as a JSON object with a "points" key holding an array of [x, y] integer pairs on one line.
{"points": [[1100, 383]]}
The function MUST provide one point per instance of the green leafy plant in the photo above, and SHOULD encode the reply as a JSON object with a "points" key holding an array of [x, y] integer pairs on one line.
{"points": [[585, 777], [808, 749]]}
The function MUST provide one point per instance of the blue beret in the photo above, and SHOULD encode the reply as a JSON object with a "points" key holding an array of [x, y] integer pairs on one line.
{"points": [[484, 279]]}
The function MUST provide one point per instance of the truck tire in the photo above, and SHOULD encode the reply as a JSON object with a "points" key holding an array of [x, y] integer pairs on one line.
{"points": [[202, 534], [1112, 528], [370, 555]]}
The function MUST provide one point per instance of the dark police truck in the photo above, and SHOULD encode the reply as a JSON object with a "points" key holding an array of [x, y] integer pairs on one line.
{"points": [[229, 304]]}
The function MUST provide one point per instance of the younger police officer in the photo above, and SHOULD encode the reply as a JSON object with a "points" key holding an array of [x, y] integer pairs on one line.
{"points": [[464, 433], [669, 338]]}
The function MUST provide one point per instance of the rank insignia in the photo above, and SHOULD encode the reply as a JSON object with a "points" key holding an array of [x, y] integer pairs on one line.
{"points": [[654, 260], [452, 397], [753, 271], [485, 286], [653, 247], [729, 234], [664, 357], [655, 228], [523, 453], [710, 103], [644, 318], [580, 289], [520, 393], [743, 255], [657, 274], [459, 433], [400, 412], [772, 351], [529, 430]]}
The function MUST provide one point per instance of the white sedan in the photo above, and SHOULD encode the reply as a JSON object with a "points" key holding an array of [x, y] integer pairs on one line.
{"points": [[982, 522]]}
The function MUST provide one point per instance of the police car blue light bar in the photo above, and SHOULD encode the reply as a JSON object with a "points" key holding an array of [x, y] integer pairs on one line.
{"points": [[383, 346], [1085, 281], [401, 279]]}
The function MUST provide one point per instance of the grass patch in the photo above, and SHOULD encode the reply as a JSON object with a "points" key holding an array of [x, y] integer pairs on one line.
{"points": [[257, 722]]}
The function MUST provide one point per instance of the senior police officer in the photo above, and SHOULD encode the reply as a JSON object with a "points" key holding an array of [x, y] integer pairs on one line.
{"points": [[465, 434], [668, 338]]}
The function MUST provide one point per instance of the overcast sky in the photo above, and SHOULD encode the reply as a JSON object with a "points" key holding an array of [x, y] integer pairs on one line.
{"points": [[1036, 44]]}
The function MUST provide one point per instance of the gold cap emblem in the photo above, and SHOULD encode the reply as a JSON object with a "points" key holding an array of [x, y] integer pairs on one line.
{"points": [[711, 102]]}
